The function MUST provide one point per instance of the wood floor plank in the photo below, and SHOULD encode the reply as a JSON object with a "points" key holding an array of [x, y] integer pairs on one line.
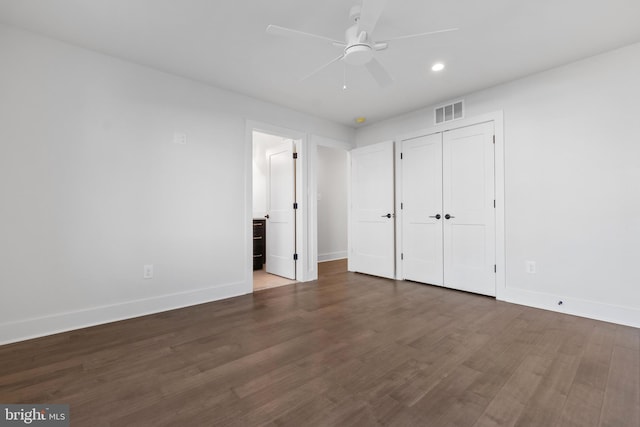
{"points": [[621, 404], [584, 401], [547, 401], [447, 403], [348, 349], [301, 415], [509, 402]]}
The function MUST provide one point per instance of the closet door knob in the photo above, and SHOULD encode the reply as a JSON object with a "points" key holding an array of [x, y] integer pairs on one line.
{"points": [[447, 216], [435, 216], [386, 216], [267, 216]]}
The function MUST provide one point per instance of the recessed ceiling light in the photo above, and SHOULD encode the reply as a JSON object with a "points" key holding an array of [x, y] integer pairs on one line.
{"points": [[439, 66], [361, 120]]}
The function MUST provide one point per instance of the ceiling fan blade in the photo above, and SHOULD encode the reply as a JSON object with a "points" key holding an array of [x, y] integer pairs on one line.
{"points": [[282, 31], [369, 15], [379, 73], [410, 36], [317, 70]]}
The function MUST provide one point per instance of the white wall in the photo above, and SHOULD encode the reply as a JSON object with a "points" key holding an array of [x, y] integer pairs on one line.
{"points": [[261, 143], [332, 203], [572, 183], [93, 187]]}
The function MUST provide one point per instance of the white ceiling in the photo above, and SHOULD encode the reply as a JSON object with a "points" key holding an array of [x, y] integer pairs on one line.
{"points": [[223, 43]]}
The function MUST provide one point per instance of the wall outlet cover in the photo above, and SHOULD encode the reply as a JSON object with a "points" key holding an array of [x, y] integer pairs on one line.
{"points": [[147, 272], [180, 138], [531, 267]]}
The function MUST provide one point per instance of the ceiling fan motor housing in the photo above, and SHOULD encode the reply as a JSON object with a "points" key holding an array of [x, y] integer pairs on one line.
{"points": [[358, 50]]}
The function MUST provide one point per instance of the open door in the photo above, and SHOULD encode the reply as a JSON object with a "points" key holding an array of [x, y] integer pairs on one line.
{"points": [[372, 246], [281, 222]]}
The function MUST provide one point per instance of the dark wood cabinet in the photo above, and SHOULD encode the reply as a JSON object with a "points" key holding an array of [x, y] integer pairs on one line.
{"points": [[259, 243]]}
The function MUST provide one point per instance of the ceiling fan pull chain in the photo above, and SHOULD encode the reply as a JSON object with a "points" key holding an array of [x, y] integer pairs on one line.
{"points": [[344, 75]]}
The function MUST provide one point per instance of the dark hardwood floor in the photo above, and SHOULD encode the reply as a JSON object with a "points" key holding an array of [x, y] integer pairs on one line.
{"points": [[349, 349]]}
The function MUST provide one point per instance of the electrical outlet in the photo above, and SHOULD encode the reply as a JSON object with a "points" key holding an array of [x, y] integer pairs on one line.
{"points": [[531, 267], [180, 138], [147, 271]]}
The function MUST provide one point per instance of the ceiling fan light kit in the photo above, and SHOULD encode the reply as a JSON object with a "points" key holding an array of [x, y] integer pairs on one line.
{"points": [[359, 47]]}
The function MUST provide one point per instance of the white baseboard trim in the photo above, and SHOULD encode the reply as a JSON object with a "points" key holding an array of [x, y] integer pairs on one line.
{"points": [[578, 307], [332, 256], [38, 327], [62, 322]]}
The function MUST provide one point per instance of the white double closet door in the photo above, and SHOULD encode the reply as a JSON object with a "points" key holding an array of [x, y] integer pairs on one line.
{"points": [[448, 209]]}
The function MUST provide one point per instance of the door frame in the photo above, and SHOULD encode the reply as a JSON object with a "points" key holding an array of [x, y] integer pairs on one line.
{"points": [[498, 118], [302, 223], [306, 196]]}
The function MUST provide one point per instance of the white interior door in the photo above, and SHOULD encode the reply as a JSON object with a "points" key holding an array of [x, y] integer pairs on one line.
{"points": [[372, 246], [281, 226], [422, 220], [469, 212]]}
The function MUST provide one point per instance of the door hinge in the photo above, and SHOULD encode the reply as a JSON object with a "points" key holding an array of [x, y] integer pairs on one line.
{"points": [[295, 205], [295, 155], [402, 256], [401, 205], [494, 139], [494, 203], [400, 156], [295, 257], [495, 268]]}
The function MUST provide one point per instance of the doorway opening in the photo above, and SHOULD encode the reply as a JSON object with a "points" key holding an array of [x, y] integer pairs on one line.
{"points": [[274, 204], [332, 165], [304, 251]]}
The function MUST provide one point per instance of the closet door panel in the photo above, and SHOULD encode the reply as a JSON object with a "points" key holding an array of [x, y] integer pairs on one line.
{"points": [[422, 209], [468, 196]]}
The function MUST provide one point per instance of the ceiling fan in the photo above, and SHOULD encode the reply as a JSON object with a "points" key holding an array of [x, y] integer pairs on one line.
{"points": [[359, 47]]}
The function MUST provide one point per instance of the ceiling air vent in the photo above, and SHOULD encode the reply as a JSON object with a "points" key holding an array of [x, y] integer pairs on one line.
{"points": [[446, 113]]}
